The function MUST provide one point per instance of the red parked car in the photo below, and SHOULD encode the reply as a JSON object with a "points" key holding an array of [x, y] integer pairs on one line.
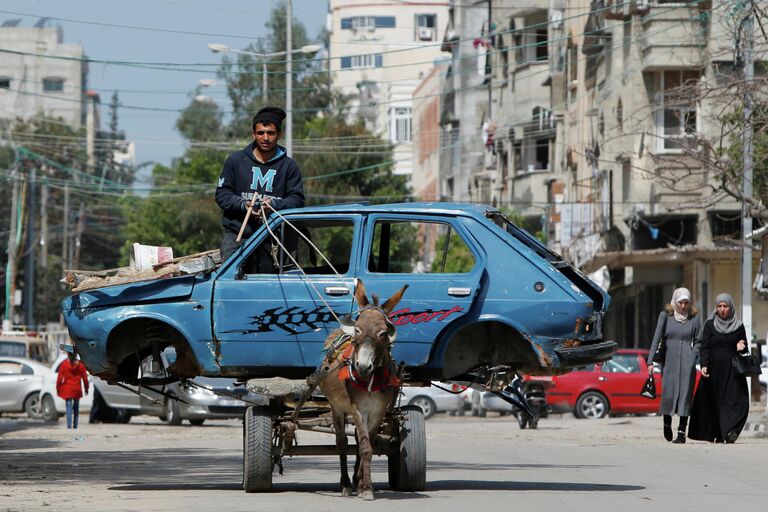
{"points": [[613, 386]]}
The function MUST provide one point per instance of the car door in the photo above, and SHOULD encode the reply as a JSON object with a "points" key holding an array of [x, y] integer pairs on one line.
{"points": [[13, 384], [621, 379], [439, 261], [275, 305]]}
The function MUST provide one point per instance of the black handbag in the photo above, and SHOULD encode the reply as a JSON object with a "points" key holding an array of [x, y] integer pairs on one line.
{"points": [[746, 365], [661, 349], [649, 388]]}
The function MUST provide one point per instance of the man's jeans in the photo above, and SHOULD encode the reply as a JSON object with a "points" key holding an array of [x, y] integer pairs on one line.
{"points": [[73, 411], [228, 245]]}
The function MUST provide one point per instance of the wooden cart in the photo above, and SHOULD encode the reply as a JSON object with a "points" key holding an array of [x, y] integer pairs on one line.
{"points": [[269, 434]]}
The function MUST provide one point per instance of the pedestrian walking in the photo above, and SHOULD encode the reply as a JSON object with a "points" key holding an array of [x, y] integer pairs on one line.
{"points": [[260, 173], [721, 405], [678, 329], [71, 374]]}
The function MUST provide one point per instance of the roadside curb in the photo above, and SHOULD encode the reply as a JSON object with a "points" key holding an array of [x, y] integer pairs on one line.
{"points": [[751, 426]]}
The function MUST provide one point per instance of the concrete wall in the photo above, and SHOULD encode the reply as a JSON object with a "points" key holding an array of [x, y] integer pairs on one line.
{"points": [[25, 97]]}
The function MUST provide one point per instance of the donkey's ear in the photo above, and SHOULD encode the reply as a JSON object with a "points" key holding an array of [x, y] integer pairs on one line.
{"points": [[393, 300], [360, 294], [347, 325]]}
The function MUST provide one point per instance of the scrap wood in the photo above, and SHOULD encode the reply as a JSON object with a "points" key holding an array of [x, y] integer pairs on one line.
{"points": [[213, 253], [81, 280]]}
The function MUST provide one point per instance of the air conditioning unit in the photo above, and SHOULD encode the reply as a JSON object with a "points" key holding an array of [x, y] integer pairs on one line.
{"points": [[425, 34]]}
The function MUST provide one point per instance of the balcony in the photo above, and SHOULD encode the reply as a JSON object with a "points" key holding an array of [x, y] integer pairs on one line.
{"points": [[672, 36], [529, 190], [529, 91]]}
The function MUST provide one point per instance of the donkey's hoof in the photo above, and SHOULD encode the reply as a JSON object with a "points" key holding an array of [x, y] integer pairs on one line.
{"points": [[347, 491], [366, 494]]}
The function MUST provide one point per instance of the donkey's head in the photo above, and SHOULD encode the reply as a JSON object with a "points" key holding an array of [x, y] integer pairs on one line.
{"points": [[373, 334]]}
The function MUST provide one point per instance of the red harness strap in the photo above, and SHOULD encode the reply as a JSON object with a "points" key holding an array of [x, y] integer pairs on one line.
{"points": [[382, 378]]}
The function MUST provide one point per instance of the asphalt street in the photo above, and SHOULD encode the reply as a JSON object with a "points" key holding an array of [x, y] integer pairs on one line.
{"points": [[619, 463]]}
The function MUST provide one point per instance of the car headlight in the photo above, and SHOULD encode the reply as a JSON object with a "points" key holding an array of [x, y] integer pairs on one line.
{"points": [[194, 390]]}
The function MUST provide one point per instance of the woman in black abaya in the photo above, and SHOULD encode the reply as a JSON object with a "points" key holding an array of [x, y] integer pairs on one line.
{"points": [[721, 404]]}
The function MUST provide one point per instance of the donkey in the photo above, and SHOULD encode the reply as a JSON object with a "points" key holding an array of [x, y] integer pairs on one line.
{"points": [[362, 382]]}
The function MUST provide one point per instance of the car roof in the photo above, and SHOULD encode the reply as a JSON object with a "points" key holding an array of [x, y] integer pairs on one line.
{"points": [[415, 207], [36, 365]]}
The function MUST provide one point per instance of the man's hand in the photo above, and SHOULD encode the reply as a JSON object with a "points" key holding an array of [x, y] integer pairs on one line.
{"points": [[704, 371]]}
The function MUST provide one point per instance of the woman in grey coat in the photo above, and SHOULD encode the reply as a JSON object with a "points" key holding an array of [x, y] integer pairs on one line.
{"points": [[680, 327]]}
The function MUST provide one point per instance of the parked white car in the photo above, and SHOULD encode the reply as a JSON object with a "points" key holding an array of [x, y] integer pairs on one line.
{"points": [[432, 399], [21, 380]]}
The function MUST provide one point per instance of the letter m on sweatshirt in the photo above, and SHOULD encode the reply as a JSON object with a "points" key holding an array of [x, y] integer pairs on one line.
{"points": [[260, 180]]}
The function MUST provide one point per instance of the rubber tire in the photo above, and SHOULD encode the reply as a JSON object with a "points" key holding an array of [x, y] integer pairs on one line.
{"points": [[33, 407], [257, 450], [197, 422], [172, 412], [123, 416], [592, 396], [407, 461], [426, 404], [48, 410]]}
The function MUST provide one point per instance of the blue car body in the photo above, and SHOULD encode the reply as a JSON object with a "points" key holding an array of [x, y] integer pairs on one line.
{"points": [[513, 302]]}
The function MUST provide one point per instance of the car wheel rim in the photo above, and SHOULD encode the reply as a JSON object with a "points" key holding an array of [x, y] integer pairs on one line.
{"points": [[46, 408], [35, 407], [592, 407], [425, 406]]}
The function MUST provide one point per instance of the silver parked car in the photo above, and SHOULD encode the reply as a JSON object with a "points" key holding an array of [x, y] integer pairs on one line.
{"points": [[196, 400], [20, 382], [431, 399]]}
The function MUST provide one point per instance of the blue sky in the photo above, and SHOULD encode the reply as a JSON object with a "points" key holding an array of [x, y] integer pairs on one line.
{"points": [[154, 132]]}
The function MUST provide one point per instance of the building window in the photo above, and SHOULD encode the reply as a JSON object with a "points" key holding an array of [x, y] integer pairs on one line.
{"points": [[5, 83], [370, 60], [542, 45], [426, 27], [675, 107], [400, 125], [53, 84], [367, 22]]}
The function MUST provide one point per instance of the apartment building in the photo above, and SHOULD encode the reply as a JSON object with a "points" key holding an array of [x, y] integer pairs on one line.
{"points": [[607, 144], [39, 73], [380, 50], [466, 164]]}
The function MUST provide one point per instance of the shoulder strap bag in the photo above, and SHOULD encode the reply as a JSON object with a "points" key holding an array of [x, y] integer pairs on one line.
{"points": [[661, 349]]}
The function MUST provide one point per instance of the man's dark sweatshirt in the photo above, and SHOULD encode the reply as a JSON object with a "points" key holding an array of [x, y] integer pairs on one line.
{"points": [[243, 178]]}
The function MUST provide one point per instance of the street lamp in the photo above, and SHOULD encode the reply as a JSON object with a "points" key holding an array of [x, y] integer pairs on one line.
{"points": [[309, 49]]}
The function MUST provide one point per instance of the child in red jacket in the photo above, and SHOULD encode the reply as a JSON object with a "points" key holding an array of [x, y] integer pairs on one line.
{"points": [[71, 373]]}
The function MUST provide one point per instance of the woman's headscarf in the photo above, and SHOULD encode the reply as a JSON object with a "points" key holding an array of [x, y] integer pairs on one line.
{"points": [[730, 324], [678, 295]]}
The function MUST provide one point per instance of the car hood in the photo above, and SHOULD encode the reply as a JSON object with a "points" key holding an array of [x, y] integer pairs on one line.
{"points": [[159, 290]]}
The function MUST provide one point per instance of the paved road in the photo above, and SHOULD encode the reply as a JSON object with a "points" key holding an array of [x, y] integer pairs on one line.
{"points": [[474, 464]]}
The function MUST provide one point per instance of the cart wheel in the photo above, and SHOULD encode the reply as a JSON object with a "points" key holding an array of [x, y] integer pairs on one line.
{"points": [[522, 420], [407, 460], [257, 450]]}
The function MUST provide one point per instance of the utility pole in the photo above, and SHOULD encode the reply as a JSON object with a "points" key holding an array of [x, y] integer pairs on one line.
{"points": [[65, 233], [29, 265], [289, 78], [10, 273], [746, 182], [90, 134], [44, 224], [78, 235]]}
